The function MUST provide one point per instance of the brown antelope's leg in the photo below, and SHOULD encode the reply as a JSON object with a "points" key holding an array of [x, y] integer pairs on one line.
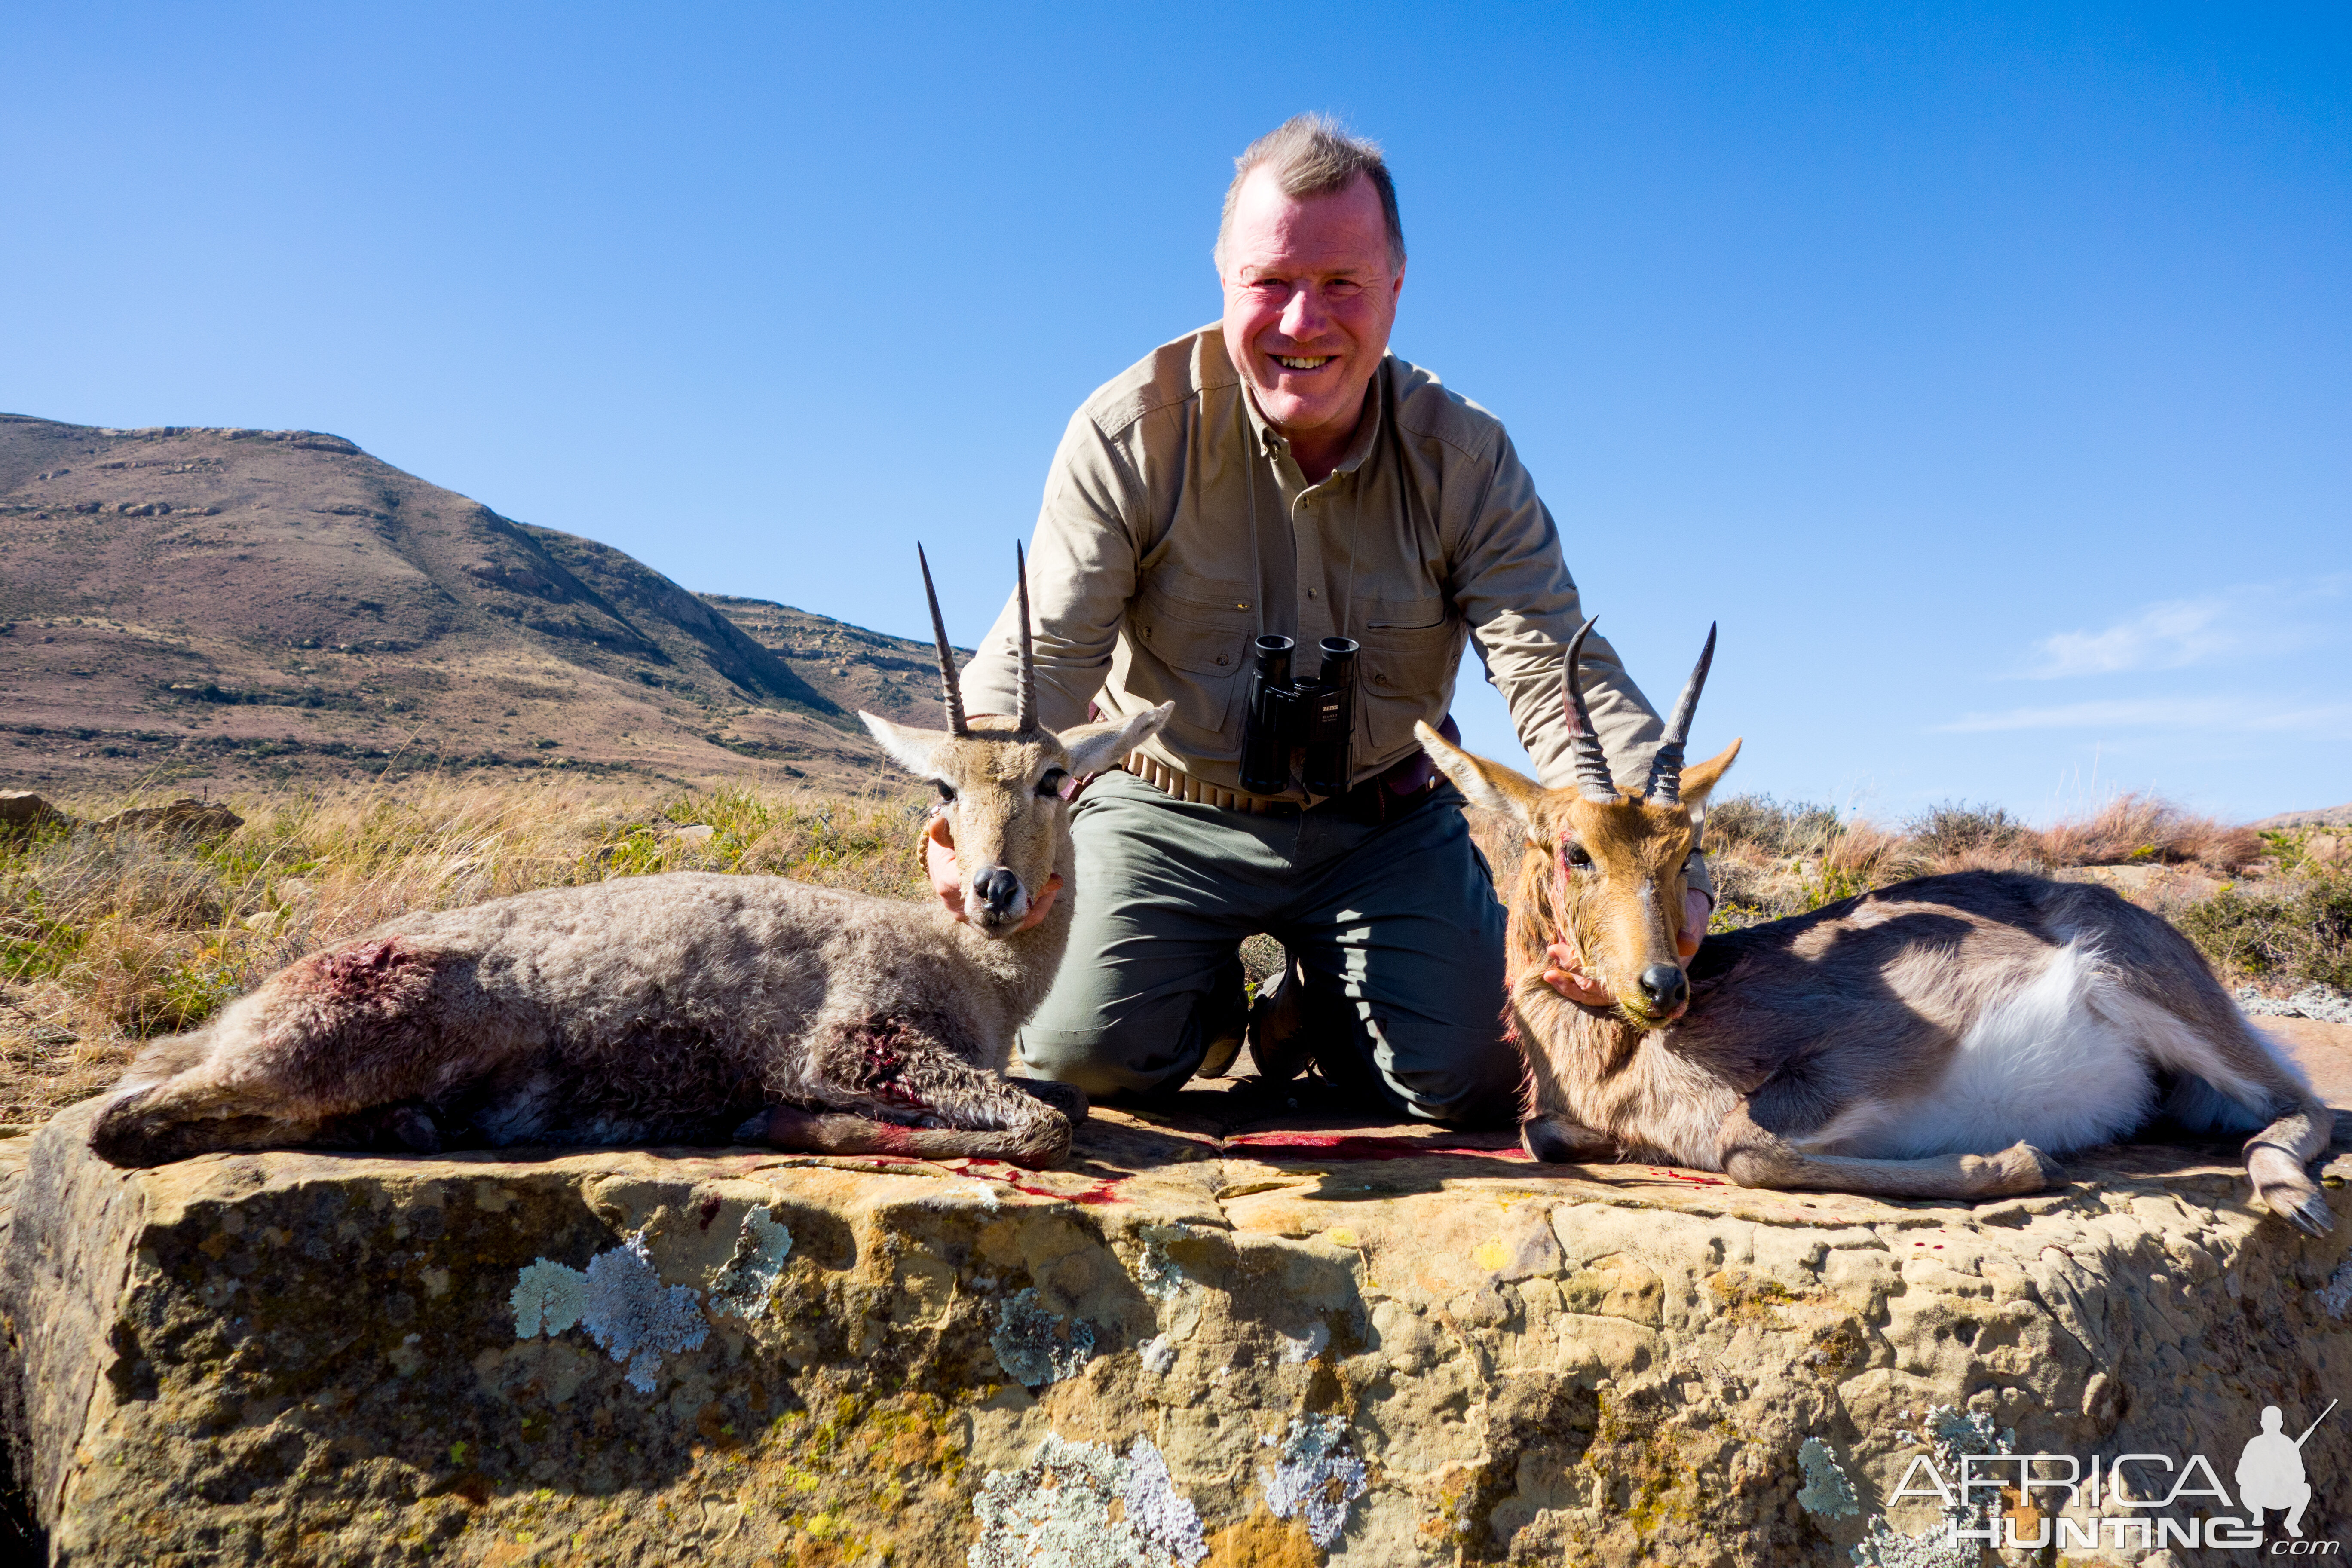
{"points": [[1755, 1158], [2275, 1162], [1555, 1140]]}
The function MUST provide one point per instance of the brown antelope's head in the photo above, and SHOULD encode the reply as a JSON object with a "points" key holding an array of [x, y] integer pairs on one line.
{"points": [[1607, 866], [1006, 785]]}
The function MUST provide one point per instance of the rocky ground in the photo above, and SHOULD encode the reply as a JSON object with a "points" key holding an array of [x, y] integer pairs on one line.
{"points": [[1231, 1333]]}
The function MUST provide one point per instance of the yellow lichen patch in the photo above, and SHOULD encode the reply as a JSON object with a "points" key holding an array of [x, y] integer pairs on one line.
{"points": [[1263, 1540]]}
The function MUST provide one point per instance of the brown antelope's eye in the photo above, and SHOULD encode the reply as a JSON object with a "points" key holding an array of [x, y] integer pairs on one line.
{"points": [[1575, 855], [1051, 785], [947, 791]]}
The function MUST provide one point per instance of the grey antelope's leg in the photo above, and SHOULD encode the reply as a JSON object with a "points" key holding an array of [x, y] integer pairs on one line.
{"points": [[888, 1087], [327, 1039], [1756, 1158]]}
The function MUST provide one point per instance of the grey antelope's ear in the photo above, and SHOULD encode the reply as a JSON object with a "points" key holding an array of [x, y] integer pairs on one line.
{"points": [[1098, 748], [910, 749], [1490, 784]]}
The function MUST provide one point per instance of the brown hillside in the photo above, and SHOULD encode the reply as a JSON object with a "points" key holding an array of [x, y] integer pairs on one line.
{"points": [[246, 605]]}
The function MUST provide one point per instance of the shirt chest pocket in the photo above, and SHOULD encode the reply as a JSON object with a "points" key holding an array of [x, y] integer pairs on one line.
{"points": [[1191, 650], [1410, 651]]}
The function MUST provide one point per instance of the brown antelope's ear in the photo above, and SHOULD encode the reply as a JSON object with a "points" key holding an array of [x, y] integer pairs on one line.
{"points": [[1097, 748], [910, 749], [1490, 784], [1700, 777]]}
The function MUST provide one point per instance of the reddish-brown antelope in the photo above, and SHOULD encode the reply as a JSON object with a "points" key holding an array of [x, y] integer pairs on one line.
{"points": [[671, 1008], [1939, 1038]]}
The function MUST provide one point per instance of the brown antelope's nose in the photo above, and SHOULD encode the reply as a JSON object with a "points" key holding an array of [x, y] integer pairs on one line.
{"points": [[996, 888], [1665, 987]]}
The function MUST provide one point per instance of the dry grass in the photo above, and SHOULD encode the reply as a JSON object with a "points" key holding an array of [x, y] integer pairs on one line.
{"points": [[106, 941]]}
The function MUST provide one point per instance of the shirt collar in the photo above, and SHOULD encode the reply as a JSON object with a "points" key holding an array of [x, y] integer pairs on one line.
{"points": [[1271, 442]]}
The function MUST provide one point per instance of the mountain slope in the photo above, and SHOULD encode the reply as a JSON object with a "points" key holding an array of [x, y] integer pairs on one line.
{"points": [[244, 605]]}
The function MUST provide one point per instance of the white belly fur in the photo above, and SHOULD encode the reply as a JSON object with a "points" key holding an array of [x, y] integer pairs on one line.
{"points": [[2045, 1065]]}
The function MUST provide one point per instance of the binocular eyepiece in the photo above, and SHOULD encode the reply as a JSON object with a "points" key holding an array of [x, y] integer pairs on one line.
{"points": [[1317, 718]]}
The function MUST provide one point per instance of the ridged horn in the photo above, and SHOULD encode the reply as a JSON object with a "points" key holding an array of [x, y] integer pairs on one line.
{"points": [[1592, 776], [952, 688], [1026, 714], [1667, 765]]}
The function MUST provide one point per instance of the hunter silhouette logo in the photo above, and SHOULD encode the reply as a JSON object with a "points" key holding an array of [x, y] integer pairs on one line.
{"points": [[2131, 1501], [2269, 1472]]}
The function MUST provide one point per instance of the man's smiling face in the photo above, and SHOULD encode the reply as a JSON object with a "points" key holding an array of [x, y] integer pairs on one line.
{"points": [[1309, 298]]}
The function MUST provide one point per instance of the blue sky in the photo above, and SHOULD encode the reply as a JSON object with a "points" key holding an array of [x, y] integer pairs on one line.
{"points": [[1982, 369]]}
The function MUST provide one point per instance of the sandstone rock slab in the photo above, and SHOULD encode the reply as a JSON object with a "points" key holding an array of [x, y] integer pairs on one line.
{"points": [[1198, 1343]]}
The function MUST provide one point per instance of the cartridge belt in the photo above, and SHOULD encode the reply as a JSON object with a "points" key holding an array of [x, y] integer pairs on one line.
{"points": [[1372, 802]]}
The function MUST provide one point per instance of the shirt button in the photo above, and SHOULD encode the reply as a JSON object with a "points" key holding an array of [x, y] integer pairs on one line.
{"points": [[1221, 658], [1310, 592]]}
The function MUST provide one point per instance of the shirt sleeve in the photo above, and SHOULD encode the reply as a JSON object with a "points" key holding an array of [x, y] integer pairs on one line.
{"points": [[1082, 572], [1513, 588]]}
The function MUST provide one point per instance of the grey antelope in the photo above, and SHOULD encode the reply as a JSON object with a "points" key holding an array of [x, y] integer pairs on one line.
{"points": [[1939, 1038], [682, 1007]]}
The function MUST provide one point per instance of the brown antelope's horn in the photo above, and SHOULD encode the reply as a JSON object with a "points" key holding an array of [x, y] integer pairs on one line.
{"points": [[948, 685], [1593, 774], [1666, 766], [1025, 716]]}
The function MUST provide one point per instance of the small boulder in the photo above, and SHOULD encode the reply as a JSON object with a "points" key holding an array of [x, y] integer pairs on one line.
{"points": [[186, 817], [23, 808]]}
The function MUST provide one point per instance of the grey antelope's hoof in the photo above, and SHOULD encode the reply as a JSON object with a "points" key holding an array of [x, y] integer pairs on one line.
{"points": [[1066, 1098]]}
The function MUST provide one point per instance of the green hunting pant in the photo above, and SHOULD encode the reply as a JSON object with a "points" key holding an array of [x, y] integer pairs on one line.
{"points": [[1395, 925]]}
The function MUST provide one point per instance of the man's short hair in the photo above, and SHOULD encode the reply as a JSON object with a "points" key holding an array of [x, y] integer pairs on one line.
{"points": [[1313, 155]]}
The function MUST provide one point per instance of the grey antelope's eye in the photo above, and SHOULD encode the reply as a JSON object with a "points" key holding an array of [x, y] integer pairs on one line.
{"points": [[947, 790], [1051, 785]]}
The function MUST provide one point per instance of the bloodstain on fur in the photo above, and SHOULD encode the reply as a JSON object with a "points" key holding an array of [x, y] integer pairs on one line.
{"points": [[375, 974], [880, 1049]]}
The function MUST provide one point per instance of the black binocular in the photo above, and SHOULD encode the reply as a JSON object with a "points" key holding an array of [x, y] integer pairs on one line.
{"points": [[1315, 716]]}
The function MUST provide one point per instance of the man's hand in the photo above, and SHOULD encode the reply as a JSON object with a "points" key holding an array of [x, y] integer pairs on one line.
{"points": [[1565, 973], [947, 875]]}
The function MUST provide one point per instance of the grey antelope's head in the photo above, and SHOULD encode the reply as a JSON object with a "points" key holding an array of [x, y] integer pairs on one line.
{"points": [[1005, 784], [1609, 864]]}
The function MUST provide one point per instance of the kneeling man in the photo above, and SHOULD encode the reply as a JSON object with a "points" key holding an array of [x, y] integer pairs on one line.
{"points": [[1281, 473]]}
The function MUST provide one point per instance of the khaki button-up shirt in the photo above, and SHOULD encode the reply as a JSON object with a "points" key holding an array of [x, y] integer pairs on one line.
{"points": [[1148, 583]]}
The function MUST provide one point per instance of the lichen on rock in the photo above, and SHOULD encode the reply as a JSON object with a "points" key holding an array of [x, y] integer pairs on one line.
{"points": [[741, 1288], [632, 1314], [1827, 1489], [1316, 1477], [1055, 1512], [548, 1299], [1035, 1347]]}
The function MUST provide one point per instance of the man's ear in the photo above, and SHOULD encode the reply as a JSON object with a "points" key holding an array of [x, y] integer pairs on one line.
{"points": [[910, 749], [1490, 784], [1701, 777], [1098, 748]]}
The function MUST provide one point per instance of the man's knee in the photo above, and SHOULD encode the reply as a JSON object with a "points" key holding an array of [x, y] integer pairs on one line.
{"points": [[1139, 1046], [1466, 1075]]}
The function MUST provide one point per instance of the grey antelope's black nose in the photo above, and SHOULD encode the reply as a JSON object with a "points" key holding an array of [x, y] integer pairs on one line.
{"points": [[996, 888], [1664, 988]]}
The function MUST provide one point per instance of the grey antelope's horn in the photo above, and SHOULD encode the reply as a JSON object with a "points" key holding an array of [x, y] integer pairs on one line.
{"points": [[1667, 765], [948, 685], [1593, 774], [1025, 716]]}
